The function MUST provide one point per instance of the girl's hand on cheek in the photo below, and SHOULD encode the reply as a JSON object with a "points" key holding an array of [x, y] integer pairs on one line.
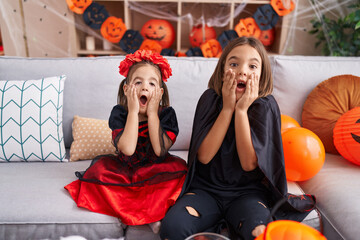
{"points": [[251, 93], [154, 101], [132, 99], [229, 90]]}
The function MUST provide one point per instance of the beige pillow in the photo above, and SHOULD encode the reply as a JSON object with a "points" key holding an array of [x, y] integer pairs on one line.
{"points": [[92, 137]]}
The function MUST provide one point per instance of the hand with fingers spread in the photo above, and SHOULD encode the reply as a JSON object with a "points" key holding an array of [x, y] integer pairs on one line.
{"points": [[251, 93], [154, 101], [132, 99], [229, 90]]}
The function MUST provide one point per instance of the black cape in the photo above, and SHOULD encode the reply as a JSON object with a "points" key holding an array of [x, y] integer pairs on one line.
{"points": [[265, 123]]}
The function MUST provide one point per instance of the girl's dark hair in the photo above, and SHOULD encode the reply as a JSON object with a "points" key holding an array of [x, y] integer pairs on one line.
{"points": [[266, 80], [122, 100]]}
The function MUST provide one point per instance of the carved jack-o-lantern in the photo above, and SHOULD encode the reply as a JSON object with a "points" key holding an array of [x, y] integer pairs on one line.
{"points": [[200, 34], [267, 37], [347, 135], [152, 45], [159, 30], [266, 17], [211, 48], [95, 15], [247, 27], [113, 29], [282, 7], [78, 6], [131, 41]]}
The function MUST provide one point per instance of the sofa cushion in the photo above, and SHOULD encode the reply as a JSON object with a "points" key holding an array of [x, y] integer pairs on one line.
{"points": [[31, 120], [92, 137]]}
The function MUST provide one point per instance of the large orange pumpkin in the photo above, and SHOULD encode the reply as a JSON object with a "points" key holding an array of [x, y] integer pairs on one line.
{"points": [[200, 34], [159, 30], [347, 135], [287, 229], [247, 27], [113, 29], [282, 7], [78, 6]]}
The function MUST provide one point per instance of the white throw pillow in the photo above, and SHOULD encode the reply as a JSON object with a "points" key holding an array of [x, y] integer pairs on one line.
{"points": [[31, 120]]}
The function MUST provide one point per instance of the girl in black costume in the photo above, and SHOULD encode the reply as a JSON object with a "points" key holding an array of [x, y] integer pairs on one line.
{"points": [[235, 157]]}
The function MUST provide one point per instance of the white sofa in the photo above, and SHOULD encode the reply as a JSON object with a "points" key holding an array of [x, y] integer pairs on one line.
{"points": [[34, 204]]}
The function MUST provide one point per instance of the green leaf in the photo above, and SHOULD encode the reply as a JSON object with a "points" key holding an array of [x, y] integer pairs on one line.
{"points": [[357, 26]]}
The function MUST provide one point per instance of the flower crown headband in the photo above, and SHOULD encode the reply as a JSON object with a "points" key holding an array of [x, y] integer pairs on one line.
{"points": [[146, 55]]}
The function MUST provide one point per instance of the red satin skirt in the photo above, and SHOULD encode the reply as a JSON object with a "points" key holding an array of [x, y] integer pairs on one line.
{"points": [[137, 196]]}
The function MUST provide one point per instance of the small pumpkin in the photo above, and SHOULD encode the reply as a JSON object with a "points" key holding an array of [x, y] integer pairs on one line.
{"points": [[265, 17], [152, 45], [200, 34], [267, 37], [159, 30], [95, 15], [131, 41], [78, 6], [113, 29], [282, 7], [211, 48], [247, 27]]}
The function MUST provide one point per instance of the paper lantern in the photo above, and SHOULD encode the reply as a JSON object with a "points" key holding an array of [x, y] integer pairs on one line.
{"points": [[211, 48], [159, 30], [225, 37], [200, 34], [247, 27], [289, 230], [131, 41], [304, 153], [167, 52], [347, 135], [194, 52], [113, 29], [152, 45], [282, 7], [95, 15], [265, 17], [288, 122], [78, 6]]}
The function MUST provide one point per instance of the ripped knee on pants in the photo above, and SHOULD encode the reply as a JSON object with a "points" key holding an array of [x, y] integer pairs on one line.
{"points": [[192, 211]]}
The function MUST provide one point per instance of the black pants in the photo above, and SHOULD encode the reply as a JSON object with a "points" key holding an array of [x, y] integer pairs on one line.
{"points": [[242, 214]]}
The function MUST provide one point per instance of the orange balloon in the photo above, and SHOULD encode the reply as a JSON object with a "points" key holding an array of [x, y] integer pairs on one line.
{"points": [[289, 230], [304, 153], [288, 122], [347, 135]]}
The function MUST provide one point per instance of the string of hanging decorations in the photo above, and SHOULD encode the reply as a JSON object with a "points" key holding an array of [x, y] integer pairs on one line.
{"points": [[261, 25]]}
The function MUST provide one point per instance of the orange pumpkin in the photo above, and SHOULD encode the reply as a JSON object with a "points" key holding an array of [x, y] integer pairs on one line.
{"points": [[113, 29], [282, 7], [247, 27], [347, 135], [159, 30], [78, 6], [287, 229], [200, 34], [211, 48], [152, 45]]}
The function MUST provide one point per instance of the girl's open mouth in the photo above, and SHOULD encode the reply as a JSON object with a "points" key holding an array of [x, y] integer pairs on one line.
{"points": [[143, 100], [241, 85]]}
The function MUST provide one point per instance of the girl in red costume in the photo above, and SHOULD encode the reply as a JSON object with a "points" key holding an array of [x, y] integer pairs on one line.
{"points": [[143, 180]]}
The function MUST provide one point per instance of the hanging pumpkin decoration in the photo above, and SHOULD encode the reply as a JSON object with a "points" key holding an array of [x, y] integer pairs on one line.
{"points": [[282, 7], [267, 37], [78, 6], [225, 37], [152, 45], [247, 27], [265, 17], [194, 52], [288, 229], [159, 30], [167, 52], [131, 41], [95, 15], [113, 29], [200, 34], [347, 135], [211, 48]]}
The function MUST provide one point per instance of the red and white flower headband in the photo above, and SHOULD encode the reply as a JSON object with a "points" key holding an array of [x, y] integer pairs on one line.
{"points": [[146, 55]]}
